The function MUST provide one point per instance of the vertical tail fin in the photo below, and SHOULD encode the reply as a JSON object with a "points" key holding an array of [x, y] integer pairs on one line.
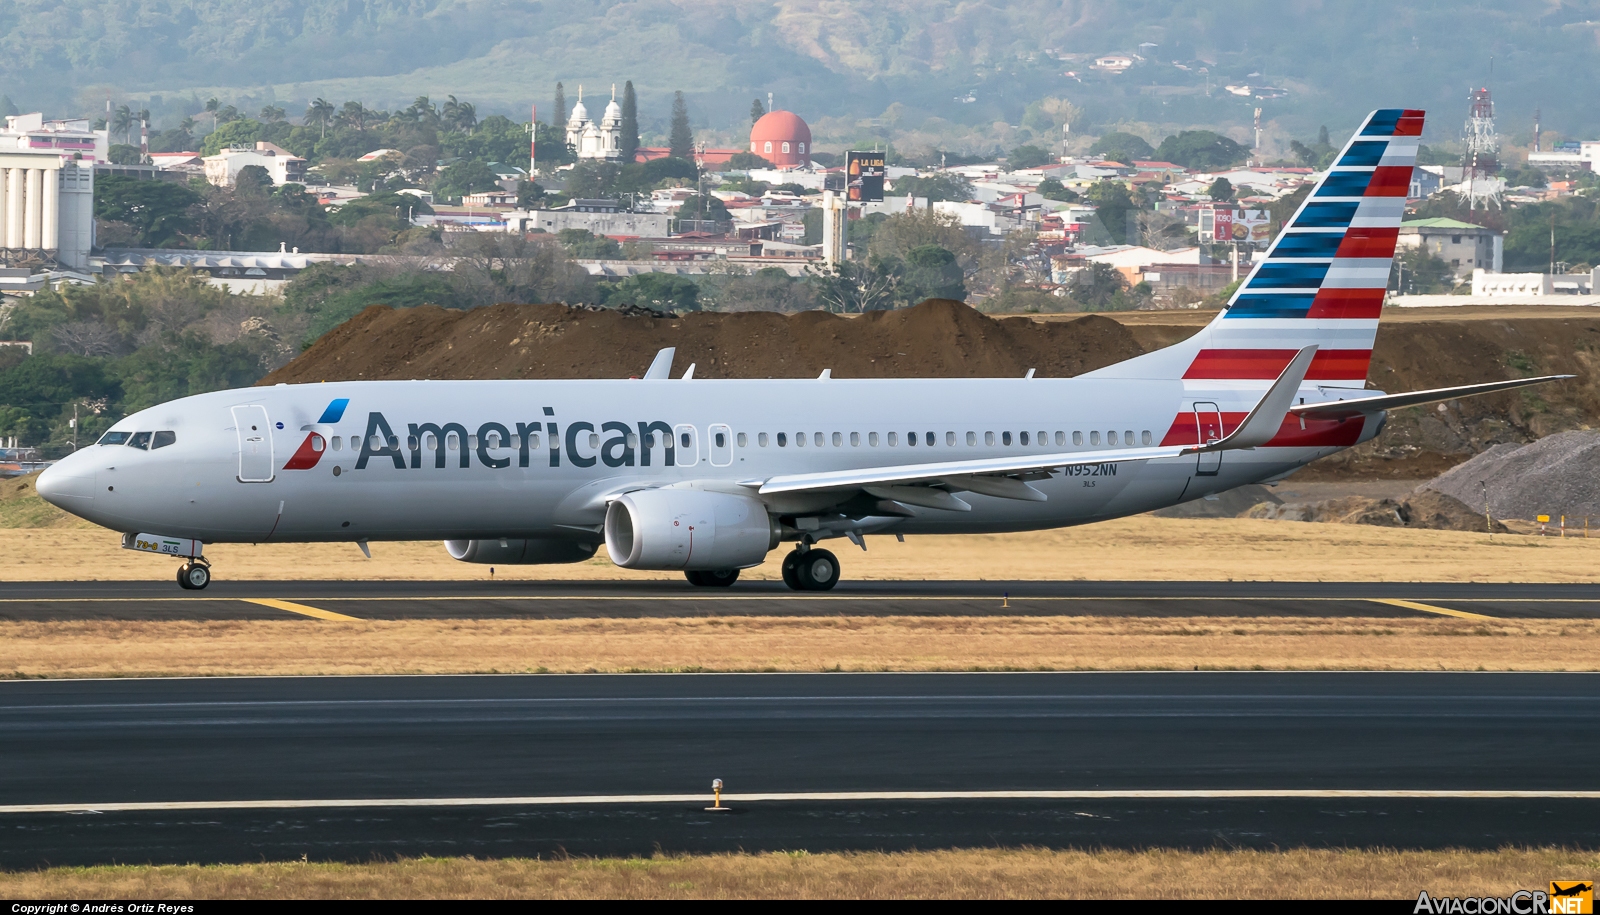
{"points": [[1321, 283]]}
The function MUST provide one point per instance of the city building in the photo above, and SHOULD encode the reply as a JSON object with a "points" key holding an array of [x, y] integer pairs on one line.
{"points": [[602, 217], [46, 209], [782, 138], [1579, 156], [283, 166], [1462, 245], [71, 138]]}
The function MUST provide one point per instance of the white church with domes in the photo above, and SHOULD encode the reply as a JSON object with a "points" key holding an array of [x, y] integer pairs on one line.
{"points": [[593, 140]]}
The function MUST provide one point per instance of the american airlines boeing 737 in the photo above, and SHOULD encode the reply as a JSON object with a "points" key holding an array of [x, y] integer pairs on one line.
{"points": [[709, 476]]}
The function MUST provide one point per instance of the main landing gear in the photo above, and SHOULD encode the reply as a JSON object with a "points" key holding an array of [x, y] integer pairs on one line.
{"points": [[810, 569], [716, 578], [194, 575]]}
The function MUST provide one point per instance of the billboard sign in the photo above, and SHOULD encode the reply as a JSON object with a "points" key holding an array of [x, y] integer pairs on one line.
{"points": [[865, 172]]}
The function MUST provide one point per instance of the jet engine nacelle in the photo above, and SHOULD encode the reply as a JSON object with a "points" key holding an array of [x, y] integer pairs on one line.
{"points": [[688, 529], [520, 552]]}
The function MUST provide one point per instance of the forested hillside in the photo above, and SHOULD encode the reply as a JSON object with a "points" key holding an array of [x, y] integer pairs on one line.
{"points": [[825, 59]]}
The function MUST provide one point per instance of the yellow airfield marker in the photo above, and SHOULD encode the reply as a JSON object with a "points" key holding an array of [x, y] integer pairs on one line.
{"points": [[301, 609]]}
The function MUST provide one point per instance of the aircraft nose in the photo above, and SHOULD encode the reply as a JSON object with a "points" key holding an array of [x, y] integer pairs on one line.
{"points": [[66, 483]]}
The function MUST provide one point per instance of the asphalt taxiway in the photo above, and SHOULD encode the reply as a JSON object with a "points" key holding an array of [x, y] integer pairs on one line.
{"points": [[350, 768], [482, 599]]}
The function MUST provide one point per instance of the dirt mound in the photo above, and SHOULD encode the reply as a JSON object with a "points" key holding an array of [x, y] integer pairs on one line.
{"points": [[1426, 510], [1556, 475], [938, 338]]}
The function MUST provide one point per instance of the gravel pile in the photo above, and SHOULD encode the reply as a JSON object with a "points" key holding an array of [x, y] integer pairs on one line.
{"points": [[1556, 475]]}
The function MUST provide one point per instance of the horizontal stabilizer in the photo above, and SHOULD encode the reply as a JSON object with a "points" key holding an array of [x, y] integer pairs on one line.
{"points": [[1358, 406], [1267, 415]]}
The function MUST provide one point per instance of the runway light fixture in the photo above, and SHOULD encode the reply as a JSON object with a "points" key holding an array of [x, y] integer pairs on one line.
{"points": [[716, 795]]}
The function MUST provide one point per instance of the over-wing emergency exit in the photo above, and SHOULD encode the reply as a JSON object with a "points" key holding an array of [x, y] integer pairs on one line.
{"points": [[709, 476]]}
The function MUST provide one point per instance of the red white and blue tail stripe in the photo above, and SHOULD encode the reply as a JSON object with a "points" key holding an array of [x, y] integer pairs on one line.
{"points": [[1322, 282]]}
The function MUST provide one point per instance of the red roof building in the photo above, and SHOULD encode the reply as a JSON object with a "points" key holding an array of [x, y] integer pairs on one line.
{"points": [[782, 138]]}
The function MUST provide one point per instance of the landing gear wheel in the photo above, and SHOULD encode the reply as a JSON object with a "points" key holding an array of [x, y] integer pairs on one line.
{"points": [[712, 578], [791, 577], [816, 570], [192, 576]]}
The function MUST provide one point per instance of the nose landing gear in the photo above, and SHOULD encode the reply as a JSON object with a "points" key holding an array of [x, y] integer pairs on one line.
{"points": [[810, 570], [194, 575]]}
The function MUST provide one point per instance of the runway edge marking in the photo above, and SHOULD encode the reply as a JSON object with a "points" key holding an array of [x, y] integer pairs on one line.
{"points": [[1429, 608], [613, 799], [301, 609]]}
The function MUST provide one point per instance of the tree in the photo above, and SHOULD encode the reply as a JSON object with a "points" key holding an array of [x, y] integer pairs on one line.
{"points": [[253, 179], [559, 116], [757, 112], [931, 272], [937, 186], [1099, 287], [271, 114], [706, 207], [1200, 149], [745, 161], [123, 154], [1051, 189], [122, 122], [1122, 147], [213, 108], [355, 116], [630, 123], [157, 210], [680, 139], [1112, 202], [1028, 156], [320, 113], [1221, 190], [234, 133], [902, 233], [462, 116], [529, 194], [469, 176], [660, 291], [585, 245], [1417, 271]]}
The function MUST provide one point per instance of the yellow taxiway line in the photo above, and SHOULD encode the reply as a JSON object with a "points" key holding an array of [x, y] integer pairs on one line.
{"points": [[1429, 608], [301, 609]]}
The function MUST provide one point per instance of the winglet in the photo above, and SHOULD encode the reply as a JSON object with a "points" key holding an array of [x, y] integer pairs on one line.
{"points": [[1267, 416], [661, 368]]}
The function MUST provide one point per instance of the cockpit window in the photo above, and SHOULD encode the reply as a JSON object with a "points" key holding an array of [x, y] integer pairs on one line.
{"points": [[139, 440], [114, 438], [163, 439]]}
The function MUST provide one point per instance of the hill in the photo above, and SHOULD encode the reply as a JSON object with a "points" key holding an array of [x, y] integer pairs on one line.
{"points": [[908, 66]]}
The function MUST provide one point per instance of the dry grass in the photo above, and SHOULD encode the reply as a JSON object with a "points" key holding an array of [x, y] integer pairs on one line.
{"points": [[967, 874], [1138, 548], [305, 647]]}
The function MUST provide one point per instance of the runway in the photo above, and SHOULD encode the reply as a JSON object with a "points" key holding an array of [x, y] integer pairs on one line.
{"points": [[388, 600], [349, 768]]}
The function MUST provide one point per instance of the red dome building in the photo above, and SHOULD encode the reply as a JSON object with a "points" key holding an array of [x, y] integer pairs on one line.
{"points": [[780, 137]]}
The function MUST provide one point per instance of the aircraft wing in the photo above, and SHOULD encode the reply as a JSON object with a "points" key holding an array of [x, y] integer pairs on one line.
{"points": [[1357, 406], [1000, 476]]}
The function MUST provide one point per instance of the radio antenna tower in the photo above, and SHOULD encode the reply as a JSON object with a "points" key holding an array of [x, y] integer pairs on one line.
{"points": [[1482, 159]]}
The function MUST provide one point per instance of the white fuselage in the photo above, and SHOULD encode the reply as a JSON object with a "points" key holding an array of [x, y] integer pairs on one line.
{"points": [[220, 481]]}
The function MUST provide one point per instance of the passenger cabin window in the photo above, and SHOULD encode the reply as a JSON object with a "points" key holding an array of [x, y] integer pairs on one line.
{"points": [[114, 438], [761, 439], [988, 438], [683, 440], [872, 439], [893, 438], [1022, 438], [1127, 437], [929, 440], [783, 439], [721, 440], [838, 440], [817, 440], [799, 439], [140, 440], [1061, 438], [855, 440], [911, 439], [1111, 437], [1043, 439], [972, 439], [1145, 438], [744, 440], [950, 439], [1005, 438], [1077, 438], [1094, 438], [337, 443]]}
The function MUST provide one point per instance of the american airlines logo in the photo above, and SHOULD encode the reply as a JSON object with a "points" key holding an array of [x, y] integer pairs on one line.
{"points": [[613, 444]]}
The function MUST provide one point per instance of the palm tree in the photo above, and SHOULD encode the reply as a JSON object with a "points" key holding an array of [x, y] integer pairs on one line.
{"points": [[467, 116], [122, 121], [354, 114], [320, 113], [212, 107], [272, 114]]}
